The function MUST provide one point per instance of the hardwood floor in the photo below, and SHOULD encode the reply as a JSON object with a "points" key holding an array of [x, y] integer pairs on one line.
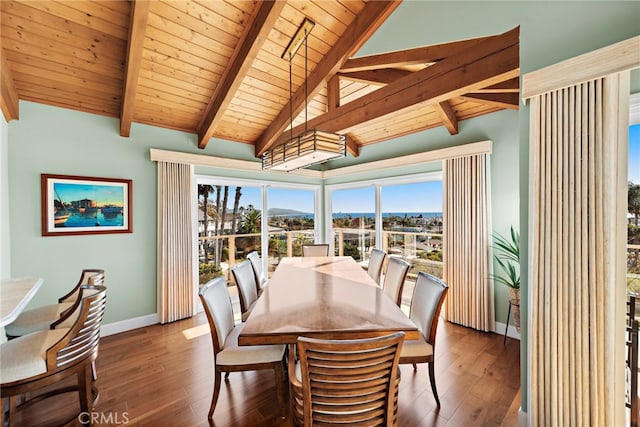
{"points": [[162, 376]]}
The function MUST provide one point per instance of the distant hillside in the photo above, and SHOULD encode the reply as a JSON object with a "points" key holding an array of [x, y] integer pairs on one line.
{"points": [[286, 212]]}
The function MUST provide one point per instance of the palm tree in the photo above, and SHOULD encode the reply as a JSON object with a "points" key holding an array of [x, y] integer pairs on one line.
{"points": [[204, 190], [236, 203], [634, 200]]}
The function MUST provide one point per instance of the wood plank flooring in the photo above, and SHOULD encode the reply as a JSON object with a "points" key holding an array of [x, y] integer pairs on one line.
{"points": [[162, 376]]}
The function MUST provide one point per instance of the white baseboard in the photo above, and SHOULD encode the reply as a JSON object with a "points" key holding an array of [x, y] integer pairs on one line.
{"points": [[523, 419], [129, 324], [512, 332]]}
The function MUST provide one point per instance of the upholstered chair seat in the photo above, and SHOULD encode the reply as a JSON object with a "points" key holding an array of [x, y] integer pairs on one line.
{"points": [[26, 356], [37, 319]]}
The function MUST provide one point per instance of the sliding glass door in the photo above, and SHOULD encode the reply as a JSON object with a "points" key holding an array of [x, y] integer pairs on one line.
{"points": [[231, 222]]}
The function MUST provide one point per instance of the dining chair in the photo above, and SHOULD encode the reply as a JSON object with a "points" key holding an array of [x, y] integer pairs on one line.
{"points": [[345, 382], [40, 318], [258, 271], [393, 283], [376, 261], [428, 296], [247, 288], [317, 249], [228, 356], [40, 359]]}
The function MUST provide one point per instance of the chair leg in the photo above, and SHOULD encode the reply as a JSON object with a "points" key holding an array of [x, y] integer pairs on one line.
{"points": [[432, 380], [415, 367], [94, 372], [216, 391], [226, 375], [85, 390], [13, 403]]}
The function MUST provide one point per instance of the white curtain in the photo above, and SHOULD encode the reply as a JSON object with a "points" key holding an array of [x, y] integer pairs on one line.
{"points": [[176, 274], [467, 259], [577, 156]]}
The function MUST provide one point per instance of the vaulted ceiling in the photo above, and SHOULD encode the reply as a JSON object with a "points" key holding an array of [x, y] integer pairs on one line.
{"points": [[215, 68]]}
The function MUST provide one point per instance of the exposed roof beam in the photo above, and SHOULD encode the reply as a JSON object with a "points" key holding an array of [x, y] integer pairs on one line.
{"points": [[8, 94], [448, 116], [490, 62], [502, 100], [366, 23], [418, 55], [382, 76], [510, 86], [333, 93], [353, 146], [137, 27], [253, 37]]}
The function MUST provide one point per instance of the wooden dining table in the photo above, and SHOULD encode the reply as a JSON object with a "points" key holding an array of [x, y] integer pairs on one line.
{"points": [[322, 297]]}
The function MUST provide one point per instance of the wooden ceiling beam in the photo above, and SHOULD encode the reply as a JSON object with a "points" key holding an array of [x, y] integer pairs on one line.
{"points": [[353, 146], [382, 76], [510, 86], [448, 116], [254, 35], [360, 30], [493, 61], [137, 28], [8, 93], [414, 56], [502, 100]]}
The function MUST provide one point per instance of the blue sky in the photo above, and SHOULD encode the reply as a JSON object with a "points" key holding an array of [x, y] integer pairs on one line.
{"points": [[634, 153], [102, 194], [419, 197]]}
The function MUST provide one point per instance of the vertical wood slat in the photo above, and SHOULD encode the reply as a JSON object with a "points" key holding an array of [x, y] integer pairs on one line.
{"points": [[576, 156], [467, 263], [175, 251]]}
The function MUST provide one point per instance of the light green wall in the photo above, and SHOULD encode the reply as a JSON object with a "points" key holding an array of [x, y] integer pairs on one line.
{"points": [[5, 230]]}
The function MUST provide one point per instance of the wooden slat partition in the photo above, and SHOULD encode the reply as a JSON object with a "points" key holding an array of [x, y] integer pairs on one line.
{"points": [[577, 148]]}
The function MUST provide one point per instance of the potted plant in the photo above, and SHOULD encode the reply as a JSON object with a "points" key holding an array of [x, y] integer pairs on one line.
{"points": [[508, 258]]}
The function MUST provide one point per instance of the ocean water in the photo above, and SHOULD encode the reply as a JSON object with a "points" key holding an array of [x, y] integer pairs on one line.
{"points": [[387, 214], [93, 220]]}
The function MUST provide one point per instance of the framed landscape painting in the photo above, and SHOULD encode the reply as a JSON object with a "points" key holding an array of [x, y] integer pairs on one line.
{"points": [[73, 205]]}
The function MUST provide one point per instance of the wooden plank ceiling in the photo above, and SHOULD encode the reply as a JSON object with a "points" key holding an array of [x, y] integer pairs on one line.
{"points": [[215, 68]]}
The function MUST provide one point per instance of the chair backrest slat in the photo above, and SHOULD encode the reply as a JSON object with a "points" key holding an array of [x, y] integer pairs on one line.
{"points": [[98, 278], [349, 381], [82, 339]]}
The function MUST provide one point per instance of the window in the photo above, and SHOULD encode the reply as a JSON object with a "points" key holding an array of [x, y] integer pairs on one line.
{"points": [[633, 242], [233, 225], [353, 223], [291, 222], [402, 216], [412, 224]]}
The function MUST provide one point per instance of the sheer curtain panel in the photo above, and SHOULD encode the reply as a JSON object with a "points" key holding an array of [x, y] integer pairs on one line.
{"points": [[176, 272], [467, 260]]}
